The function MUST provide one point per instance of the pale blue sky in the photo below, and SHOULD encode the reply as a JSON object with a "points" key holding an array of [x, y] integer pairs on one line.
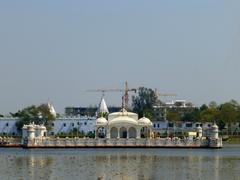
{"points": [[57, 49]]}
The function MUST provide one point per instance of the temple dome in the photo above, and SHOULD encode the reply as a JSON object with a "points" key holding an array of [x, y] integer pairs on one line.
{"points": [[101, 121], [123, 120], [123, 113], [145, 121]]}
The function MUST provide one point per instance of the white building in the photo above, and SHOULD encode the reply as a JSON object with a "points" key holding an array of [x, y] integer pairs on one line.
{"points": [[123, 125], [66, 124], [8, 126], [63, 124]]}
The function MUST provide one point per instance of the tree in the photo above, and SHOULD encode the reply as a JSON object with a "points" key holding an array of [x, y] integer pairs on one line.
{"points": [[1, 115], [144, 102], [193, 115], [229, 113], [213, 104], [173, 116], [37, 114], [209, 115]]}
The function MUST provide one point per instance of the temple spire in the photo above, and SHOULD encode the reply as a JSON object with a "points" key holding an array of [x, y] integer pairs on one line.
{"points": [[103, 106]]}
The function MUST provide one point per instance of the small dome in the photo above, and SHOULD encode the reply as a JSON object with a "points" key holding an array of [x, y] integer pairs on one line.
{"points": [[144, 121], [214, 126], [101, 121], [199, 127]]}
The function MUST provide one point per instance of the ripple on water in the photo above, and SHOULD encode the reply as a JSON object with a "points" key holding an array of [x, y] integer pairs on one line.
{"points": [[120, 164]]}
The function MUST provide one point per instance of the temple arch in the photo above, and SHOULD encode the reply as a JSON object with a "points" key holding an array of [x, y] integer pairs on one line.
{"points": [[114, 132], [123, 132], [101, 132], [145, 132], [132, 132]]}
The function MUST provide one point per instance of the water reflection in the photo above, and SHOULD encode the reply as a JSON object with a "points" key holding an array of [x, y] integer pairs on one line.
{"points": [[119, 164], [29, 166]]}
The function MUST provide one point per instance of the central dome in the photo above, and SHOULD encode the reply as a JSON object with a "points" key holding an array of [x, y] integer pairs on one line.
{"points": [[122, 113], [123, 117], [123, 120]]}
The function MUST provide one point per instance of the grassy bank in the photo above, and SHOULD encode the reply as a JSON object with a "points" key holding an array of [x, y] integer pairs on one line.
{"points": [[233, 139]]}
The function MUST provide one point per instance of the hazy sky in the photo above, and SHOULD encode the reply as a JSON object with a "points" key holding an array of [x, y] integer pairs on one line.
{"points": [[57, 49]]}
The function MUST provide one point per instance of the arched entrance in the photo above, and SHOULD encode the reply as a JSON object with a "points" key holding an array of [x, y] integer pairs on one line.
{"points": [[114, 132], [132, 132], [123, 132], [101, 132], [145, 132]]}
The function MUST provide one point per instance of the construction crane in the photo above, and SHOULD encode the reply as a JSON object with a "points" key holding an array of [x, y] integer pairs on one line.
{"points": [[125, 97], [159, 94], [103, 91]]}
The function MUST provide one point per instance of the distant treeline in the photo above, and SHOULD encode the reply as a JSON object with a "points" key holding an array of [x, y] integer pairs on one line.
{"points": [[145, 102]]}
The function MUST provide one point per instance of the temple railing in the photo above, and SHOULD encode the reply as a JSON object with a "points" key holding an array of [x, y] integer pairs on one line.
{"points": [[87, 142]]}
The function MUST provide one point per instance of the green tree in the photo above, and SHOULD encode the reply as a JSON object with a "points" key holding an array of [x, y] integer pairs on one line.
{"points": [[193, 115], [1, 115], [173, 116], [90, 134], [213, 104], [144, 102], [229, 112], [210, 114], [37, 114]]}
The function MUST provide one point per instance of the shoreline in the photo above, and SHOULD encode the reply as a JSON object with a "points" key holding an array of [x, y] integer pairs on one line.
{"points": [[233, 140]]}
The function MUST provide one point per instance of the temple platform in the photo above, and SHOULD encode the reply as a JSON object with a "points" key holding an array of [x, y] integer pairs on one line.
{"points": [[121, 143]]}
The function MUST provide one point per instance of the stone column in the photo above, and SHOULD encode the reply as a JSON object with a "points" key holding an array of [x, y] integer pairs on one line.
{"points": [[96, 132], [214, 133], [118, 133], [108, 132], [128, 133], [150, 130], [138, 133]]}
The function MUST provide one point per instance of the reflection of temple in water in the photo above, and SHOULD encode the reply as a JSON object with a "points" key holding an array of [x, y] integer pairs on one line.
{"points": [[32, 166], [124, 166], [117, 164]]}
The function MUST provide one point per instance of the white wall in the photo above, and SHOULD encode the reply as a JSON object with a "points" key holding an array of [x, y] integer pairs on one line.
{"points": [[85, 124], [8, 126]]}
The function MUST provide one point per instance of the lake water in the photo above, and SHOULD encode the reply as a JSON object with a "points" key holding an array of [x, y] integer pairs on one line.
{"points": [[71, 164]]}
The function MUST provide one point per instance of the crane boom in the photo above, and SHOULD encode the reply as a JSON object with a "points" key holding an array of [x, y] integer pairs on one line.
{"points": [[126, 90], [158, 94]]}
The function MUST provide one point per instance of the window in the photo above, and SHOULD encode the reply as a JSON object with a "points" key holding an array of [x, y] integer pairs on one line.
{"points": [[85, 123], [189, 125], [72, 124], [170, 125], [64, 124], [52, 133], [13, 134], [7, 124], [154, 125], [52, 124], [158, 125]]}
